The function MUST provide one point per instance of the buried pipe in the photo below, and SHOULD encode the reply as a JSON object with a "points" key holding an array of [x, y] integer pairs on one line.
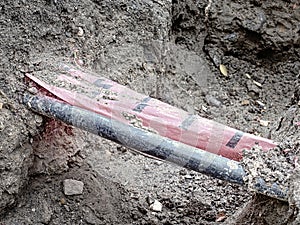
{"points": [[118, 102], [148, 143]]}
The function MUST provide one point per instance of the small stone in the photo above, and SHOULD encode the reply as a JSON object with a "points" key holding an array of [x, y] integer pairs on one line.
{"points": [[146, 168], [67, 208], [73, 187], [223, 70], [257, 84], [80, 32], [150, 200], [156, 206], [248, 76], [79, 62], [213, 101], [264, 123], [32, 90], [261, 104], [188, 177], [38, 119], [246, 102], [62, 201]]}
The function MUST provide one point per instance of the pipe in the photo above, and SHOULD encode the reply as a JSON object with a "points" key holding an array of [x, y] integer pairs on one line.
{"points": [[112, 100], [147, 142]]}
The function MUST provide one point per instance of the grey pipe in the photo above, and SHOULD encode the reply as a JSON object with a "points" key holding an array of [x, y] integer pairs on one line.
{"points": [[147, 142]]}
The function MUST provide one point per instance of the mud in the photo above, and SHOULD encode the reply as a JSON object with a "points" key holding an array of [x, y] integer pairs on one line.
{"points": [[168, 50]]}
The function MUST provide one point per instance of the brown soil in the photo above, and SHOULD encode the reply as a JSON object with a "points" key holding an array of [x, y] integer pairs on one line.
{"points": [[170, 50]]}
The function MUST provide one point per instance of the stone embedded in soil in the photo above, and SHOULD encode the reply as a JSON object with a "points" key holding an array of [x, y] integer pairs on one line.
{"points": [[73, 187], [156, 206], [213, 101]]}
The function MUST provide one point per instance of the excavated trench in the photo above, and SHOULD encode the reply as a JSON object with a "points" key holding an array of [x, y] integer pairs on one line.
{"points": [[171, 51]]}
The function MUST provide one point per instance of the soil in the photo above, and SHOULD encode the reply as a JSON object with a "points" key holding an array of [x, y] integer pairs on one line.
{"points": [[172, 51]]}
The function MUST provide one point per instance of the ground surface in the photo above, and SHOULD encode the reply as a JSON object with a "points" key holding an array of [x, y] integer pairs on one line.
{"points": [[170, 50]]}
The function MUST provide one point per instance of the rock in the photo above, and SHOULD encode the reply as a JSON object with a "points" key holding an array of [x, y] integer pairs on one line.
{"points": [[213, 101], [264, 123], [80, 32], [32, 90], [245, 102], [156, 206], [73, 187]]}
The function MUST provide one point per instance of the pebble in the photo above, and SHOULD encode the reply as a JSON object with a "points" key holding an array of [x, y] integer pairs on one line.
{"points": [[73, 187], [62, 201], [246, 102], [156, 206], [38, 119], [264, 123], [213, 101], [188, 177], [32, 90], [80, 32], [257, 84], [146, 168], [261, 104]]}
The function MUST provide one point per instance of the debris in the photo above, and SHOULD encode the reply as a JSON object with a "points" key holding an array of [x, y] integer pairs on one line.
{"points": [[79, 62], [248, 76], [261, 104], [73, 187], [156, 206], [149, 200], [221, 216], [62, 201], [80, 32], [38, 119], [1, 105], [146, 168], [204, 108], [213, 101], [223, 70], [246, 102], [257, 83], [188, 177], [264, 123], [253, 90], [32, 90]]}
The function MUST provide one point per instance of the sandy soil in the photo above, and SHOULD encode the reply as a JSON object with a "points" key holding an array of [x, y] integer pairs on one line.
{"points": [[170, 50]]}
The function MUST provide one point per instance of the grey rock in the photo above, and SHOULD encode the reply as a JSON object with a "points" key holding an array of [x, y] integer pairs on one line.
{"points": [[213, 101], [73, 187], [156, 206]]}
